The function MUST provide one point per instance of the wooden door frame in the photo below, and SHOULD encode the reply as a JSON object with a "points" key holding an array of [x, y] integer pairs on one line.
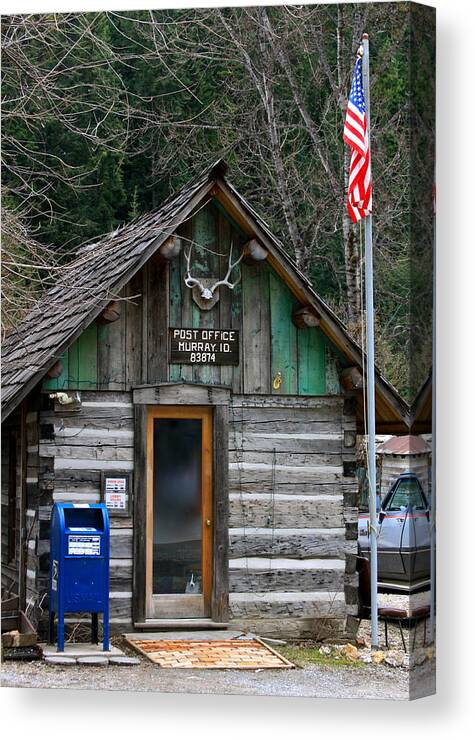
{"points": [[187, 395], [205, 414]]}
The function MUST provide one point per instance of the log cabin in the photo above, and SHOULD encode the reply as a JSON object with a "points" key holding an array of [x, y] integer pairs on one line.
{"points": [[184, 371]]}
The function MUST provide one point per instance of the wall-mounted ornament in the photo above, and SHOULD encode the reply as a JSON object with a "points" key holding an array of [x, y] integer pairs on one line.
{"points": [[205, 291], [277, 381], [305, 317], [170, 248], [110, 313], [254, 252]]}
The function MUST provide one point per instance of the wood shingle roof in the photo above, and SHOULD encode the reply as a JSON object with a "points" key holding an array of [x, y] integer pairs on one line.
{"points": [[102, 268]]}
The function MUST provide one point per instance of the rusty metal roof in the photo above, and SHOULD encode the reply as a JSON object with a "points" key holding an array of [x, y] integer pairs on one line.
{"points": [[409, 444]]}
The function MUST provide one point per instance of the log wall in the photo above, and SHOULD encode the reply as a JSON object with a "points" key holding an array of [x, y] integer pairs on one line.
{"points": [[292, 512], [292, 515], [74, 448], [10, 487]]}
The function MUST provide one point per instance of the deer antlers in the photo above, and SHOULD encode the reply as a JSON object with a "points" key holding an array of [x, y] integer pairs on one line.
{"points": [[207, 293]]}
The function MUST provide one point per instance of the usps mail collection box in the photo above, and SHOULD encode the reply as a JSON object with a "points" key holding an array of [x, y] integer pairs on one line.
{"points": [[79, 566]]}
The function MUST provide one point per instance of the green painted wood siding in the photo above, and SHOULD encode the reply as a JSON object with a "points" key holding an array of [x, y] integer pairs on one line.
{"points": [[284, 352], [212, 235], [79, 364], [312, 365], [260, 307], [206, 264]]}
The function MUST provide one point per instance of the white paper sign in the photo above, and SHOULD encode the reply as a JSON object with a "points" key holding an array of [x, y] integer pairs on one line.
{"points": [[84, 545], [115, 494]]}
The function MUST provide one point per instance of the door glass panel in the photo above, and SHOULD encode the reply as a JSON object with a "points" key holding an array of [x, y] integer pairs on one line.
{"points": [[177, 506]]}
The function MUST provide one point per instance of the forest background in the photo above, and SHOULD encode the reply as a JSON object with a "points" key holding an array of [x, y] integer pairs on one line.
{"points": [[105, 114]]}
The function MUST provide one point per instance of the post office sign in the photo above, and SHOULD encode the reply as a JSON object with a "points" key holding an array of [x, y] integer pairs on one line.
{"points": [[204, 346]]}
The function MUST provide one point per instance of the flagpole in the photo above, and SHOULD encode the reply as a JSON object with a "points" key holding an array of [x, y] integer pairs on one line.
{"points": [[432, 514], [370, 375]]}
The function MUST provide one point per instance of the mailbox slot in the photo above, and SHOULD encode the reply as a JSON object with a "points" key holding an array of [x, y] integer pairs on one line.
{"points": [[88, 519]]}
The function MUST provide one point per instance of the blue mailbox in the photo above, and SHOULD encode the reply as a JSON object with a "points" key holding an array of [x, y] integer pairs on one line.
{"points": [[79, 567]]}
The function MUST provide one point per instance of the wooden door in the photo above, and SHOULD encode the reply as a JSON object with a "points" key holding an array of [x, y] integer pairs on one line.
{"points": [[179, 512]]}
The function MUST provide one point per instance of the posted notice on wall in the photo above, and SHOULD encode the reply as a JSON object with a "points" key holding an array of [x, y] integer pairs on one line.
{"points": [[115, 493]]}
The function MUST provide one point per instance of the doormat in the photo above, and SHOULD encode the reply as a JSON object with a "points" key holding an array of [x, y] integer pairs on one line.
{"points": [[236, 654]]}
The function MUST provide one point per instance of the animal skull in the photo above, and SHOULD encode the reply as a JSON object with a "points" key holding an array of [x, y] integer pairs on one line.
{"points": [[207, 294]]}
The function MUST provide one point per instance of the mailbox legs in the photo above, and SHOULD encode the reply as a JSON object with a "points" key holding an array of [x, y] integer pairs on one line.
{"points": [[51, 628], [105, 628], [60, 631], [95, 627]]}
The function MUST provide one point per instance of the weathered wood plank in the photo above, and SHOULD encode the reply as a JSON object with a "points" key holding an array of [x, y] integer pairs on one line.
{"points": [[286, 459], [88, 452], [226, 296], [102, 438], [316, 442], [102, 397], [292, 543], [157, 321], [116, 422], [264, 574], [71, 478], [283, 336], [205, 263], [66, 463], [291, 627], [237, 239], [324, 413], [254, 510], [140, 513], [120, 576], [62, 381], [266, 473], [120, 610], [98, 417], [76, 497], [178, 393], [111, 352], [311, 362], [286, 401], [121, 542], [175, 304], [256, 329], [289, 490], [185, 309], [283, 423], [311, 604], [220, 590], [333, 367], [133, 333]]}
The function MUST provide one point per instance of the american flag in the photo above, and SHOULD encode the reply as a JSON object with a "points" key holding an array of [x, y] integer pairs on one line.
{"points": [[359, 201]]}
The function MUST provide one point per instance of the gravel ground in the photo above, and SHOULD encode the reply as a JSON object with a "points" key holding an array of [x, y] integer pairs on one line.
{"points": [[362, 682], [394, 635]]}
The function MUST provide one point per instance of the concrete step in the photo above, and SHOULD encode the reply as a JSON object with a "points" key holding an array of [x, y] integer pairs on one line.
{"points": [[180, 624]]}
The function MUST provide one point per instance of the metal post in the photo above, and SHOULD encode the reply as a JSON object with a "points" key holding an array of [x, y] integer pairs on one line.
{"points": [[370, 376], [432, 513]]}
